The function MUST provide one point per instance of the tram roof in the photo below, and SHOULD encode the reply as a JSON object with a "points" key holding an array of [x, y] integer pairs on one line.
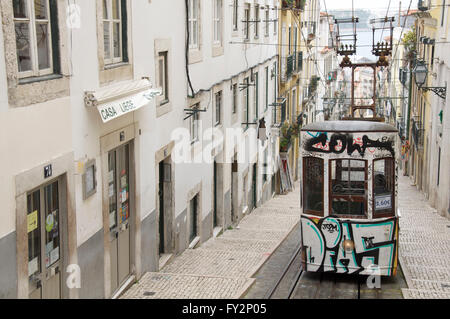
{"points": [[349, 126]]}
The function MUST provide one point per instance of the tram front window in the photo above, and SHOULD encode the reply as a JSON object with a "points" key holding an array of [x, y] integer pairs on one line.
{"points": [[348, 187], [383, 187], [313, 186]]}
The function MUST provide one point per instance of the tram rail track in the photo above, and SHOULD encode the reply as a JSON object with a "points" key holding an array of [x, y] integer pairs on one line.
{"points": [[297, 277], [289, 284]]}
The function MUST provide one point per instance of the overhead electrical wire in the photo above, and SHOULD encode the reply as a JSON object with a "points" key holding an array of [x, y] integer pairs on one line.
{"points": [[384, 23], [398, 43]]}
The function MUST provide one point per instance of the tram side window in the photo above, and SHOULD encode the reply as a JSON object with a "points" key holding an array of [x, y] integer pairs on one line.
{"points": [[348, 187], [383, 186], [313, 186]]}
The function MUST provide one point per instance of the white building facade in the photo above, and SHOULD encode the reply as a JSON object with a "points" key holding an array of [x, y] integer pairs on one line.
{"points": [[94, 100]]}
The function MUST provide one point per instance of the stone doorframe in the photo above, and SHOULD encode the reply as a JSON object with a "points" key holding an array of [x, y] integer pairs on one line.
{"points": [[195, 191], [108, 143], [63, 168], [164, 154]]}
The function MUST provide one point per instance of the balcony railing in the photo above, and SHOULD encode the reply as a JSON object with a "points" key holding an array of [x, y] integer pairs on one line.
{"points": [[290, 65], [417, 133]]}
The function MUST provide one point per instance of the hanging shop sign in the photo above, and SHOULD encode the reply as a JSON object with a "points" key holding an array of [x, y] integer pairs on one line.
{"points": [[115, 101], [114, 109]]}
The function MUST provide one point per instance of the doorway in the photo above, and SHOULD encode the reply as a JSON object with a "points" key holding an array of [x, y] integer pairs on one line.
{"points": [[193, 219], [215, 195], [165, 207], [234, 185], [45, 247], [120, 212], [254, 190], [161, 208]]}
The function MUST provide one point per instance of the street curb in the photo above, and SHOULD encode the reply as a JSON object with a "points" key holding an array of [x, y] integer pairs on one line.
{"points": [[245, 290], [406, 273]]}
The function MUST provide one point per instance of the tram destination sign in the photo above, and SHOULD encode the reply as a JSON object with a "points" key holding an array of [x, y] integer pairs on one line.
{"points": [[111, 110]]}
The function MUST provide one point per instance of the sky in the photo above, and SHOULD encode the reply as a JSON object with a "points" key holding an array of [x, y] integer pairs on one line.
{"points": [[368, 4], [378, 8]]}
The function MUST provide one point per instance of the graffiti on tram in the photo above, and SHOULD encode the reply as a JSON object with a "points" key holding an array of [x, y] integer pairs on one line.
{"points": [[350, 247], [338, 143]]}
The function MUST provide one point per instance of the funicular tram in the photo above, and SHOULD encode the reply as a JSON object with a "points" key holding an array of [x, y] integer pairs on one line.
{"points": [[349, 219], [349, 222]]}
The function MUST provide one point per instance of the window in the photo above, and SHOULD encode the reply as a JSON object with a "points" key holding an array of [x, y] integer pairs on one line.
{"points": [[193, 22], [246, 99], [275, 93], [256, 21], [36, 46], [217, 22], [163, 76], [289, 41], [348, 187], [313, 181], [294, 105], [235, 14], [295, 44], [114, 36], [266, 102], [256, 98], [194, 124], [439, 166], [218, 107], [235, 98], [383, 187], [283, 111], [247, 22], [275, 21], [266, 33]]}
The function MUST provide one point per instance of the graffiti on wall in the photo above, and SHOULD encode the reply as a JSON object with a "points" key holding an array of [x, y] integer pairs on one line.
{"points": [[338, 143], [373, 243]]}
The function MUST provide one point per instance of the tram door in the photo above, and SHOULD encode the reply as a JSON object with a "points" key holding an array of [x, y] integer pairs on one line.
{"points": [[44, 242], [119, 214]]}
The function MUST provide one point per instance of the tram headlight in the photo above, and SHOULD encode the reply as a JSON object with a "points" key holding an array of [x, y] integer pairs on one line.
{"points": [[348, 245]]}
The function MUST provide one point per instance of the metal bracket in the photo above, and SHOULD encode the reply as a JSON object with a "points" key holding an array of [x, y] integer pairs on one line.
{"points": [[440, 91], [192, 112], [244, 86]]}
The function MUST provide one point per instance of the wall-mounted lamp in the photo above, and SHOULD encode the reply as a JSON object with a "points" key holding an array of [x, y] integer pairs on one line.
{"points": [[420, 76]]}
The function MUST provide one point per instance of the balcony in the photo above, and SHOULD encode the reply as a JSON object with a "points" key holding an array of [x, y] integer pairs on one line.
{"points": [[417, 133], [293, 4], [290, 65]]}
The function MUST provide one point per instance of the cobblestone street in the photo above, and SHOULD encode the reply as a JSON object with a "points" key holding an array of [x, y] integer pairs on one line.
{"points": [[222, 267], [424, 245]]}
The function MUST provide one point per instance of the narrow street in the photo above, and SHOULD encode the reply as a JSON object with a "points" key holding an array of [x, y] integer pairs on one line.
{"points": [[223, 267], [424, 245], [246, 262]]}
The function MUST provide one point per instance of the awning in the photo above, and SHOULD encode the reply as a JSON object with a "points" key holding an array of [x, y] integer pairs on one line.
{"points": [[117, 100]]}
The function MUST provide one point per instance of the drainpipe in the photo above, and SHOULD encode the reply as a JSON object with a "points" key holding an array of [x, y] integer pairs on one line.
{"points": [[186, 52]]}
